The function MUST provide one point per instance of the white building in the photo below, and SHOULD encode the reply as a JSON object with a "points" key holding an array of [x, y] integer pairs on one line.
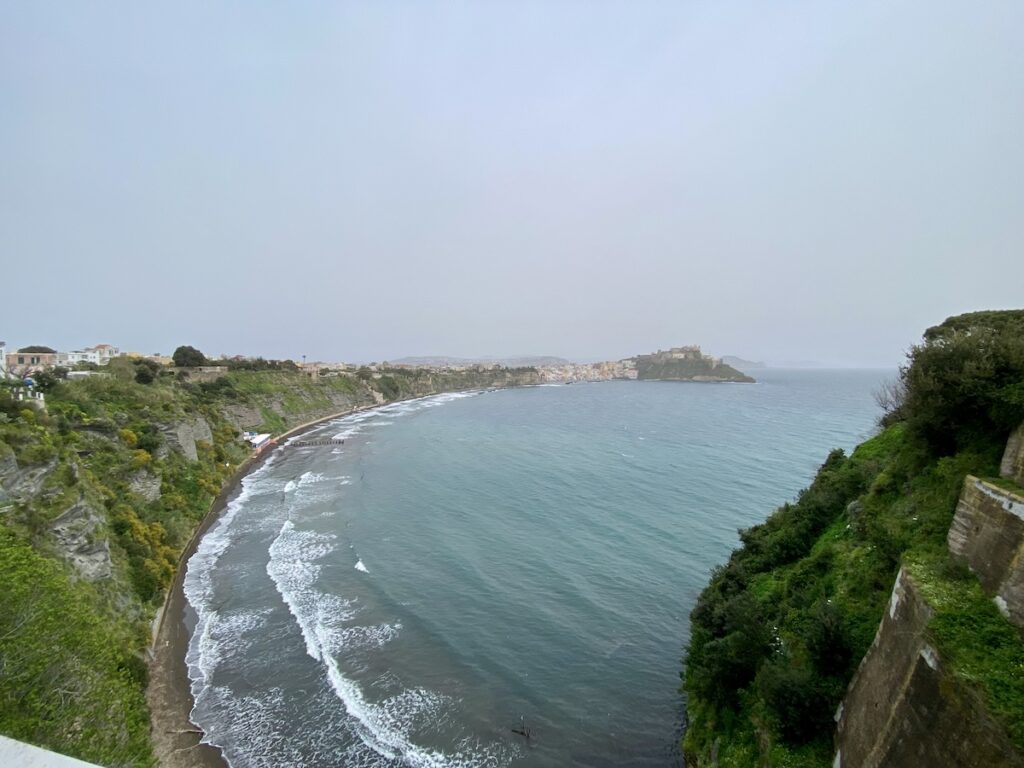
{"points": [[3, 359], [104, 353], [101, 354], [74, 357]]}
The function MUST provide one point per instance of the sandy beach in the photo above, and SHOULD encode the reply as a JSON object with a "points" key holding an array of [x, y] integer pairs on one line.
{"points": [[177, 742]]}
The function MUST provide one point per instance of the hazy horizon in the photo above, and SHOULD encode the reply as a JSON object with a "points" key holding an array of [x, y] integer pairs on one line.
{"points": [[591, 181]]}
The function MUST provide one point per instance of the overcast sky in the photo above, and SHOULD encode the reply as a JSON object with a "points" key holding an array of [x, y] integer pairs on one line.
{"points": [[361, 181]]}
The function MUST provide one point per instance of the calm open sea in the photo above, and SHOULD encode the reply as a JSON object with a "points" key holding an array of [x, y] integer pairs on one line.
{"points": [[467, 564]]}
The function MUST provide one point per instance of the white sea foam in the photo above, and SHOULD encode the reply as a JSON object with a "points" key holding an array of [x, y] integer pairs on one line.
{"points": [[294, 574], [204, 649], [347, 433], [323, 620], [383, 727], [222, 633]]}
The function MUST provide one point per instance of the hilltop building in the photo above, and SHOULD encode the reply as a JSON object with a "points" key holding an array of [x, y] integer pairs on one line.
{"points": [[29, 359], [690, 352], [101, 354]]}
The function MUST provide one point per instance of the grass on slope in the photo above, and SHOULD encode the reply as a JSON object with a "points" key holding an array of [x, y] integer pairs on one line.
{"points": [[779, 631]]}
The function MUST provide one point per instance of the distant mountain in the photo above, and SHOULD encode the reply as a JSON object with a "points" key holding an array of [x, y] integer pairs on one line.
{"points": [[796, 364], [524, 361], [741, 364]]}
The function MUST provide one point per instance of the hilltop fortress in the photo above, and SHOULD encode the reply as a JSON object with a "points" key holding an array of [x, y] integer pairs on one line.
{"points": [[686, 364], [691, 352]]}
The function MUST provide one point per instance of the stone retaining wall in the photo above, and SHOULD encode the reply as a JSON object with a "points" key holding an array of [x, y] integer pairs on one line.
{"points": [[988, 535]]}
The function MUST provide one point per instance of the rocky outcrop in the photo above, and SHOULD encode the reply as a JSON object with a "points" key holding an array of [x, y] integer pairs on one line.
{"points": [[246, 417], [8, 471], [988, 535], [185, 434], [1012, 466], [21, 483], [242, 417], [145, 484], [905, 708], [77, 535]]}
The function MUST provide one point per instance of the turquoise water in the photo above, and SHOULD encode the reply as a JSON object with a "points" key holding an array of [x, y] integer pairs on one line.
{"points": [[467, 564]]}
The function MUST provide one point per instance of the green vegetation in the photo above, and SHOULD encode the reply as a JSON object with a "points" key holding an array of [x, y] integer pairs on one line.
{"points": [[99, 495], [973, 637], [186, 357], [779, 631], [689, 369], [69, 678]]}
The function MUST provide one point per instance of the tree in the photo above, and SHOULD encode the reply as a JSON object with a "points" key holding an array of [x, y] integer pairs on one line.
{"points": [[47, 380], [188, 357], [146, 371], [965, 384]]}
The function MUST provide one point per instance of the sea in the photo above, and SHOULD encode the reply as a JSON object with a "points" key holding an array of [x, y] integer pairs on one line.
{"points": [[493, 578]]}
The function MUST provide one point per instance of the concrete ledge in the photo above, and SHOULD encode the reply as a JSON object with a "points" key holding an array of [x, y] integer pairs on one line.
{"points": [[1012, 466], [988, 535], [22, 755]]}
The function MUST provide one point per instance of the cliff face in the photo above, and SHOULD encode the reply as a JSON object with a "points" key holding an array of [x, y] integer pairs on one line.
{"points": [[274, 401]]}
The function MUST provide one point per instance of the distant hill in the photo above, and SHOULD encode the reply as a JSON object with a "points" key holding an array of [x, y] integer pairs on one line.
{"points": [[686, 364], [741, 364], [525, 361]]}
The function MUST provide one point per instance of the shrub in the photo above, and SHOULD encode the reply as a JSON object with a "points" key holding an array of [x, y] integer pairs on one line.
{"points": [[720, 667], [828, 641], [795, 698], [965, 383], [141, 458]]}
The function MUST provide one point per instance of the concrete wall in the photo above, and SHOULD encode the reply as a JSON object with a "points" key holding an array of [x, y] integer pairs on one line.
{"points": [[1012, 467], [904, 710], [203, 372], [988, 535], [18, 754]]}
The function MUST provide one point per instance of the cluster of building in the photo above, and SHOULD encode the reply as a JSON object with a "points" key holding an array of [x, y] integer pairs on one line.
{"points": [[572, 372], [35, 358], [691, 352], [28, 360]]}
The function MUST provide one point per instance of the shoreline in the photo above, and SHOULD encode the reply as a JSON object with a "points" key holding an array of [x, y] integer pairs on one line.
{"points": [[177, 741]]}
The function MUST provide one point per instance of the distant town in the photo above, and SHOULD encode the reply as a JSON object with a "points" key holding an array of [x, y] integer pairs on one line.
{"points": [[25, 361]]}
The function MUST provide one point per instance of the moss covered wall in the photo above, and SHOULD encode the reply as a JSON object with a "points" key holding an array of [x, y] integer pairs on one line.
{"points": [[907, 707], [988, 536]]}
